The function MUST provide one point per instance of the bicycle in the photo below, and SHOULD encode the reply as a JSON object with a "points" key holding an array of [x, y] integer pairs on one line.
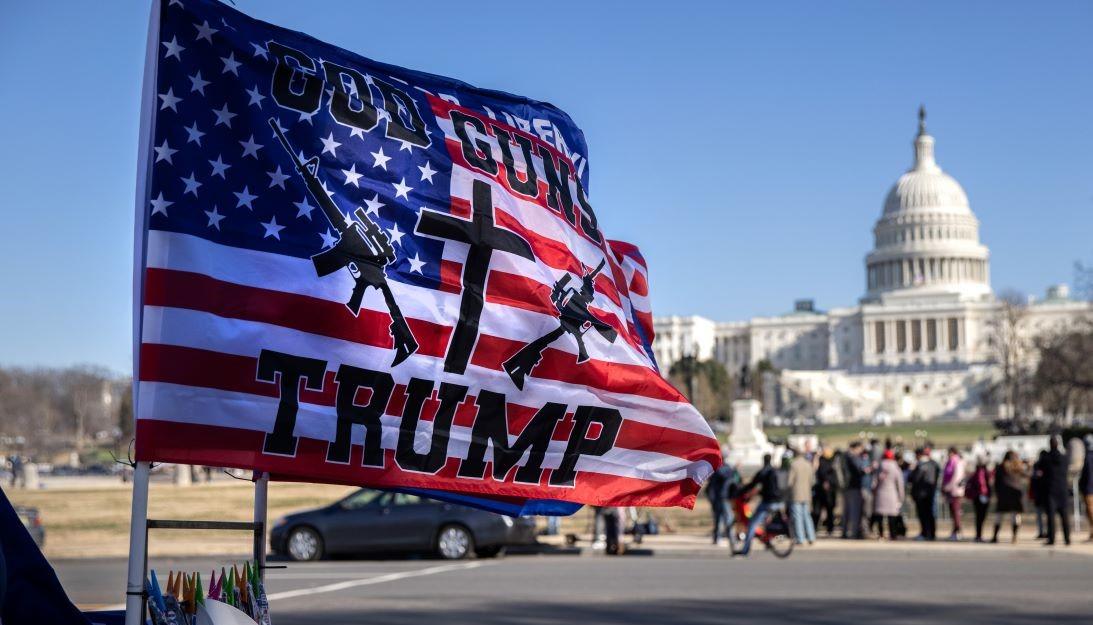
{"points": [[775, 533]]}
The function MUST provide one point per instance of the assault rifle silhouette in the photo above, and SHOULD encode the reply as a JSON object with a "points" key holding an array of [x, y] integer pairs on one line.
{"points": [[573, 317], [362, 248]]}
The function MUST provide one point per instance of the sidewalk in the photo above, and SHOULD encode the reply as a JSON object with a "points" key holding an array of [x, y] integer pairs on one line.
{"points": [[694, 545]]}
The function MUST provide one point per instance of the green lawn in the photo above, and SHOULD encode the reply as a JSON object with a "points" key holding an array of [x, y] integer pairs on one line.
{"points": [[941, 434]]}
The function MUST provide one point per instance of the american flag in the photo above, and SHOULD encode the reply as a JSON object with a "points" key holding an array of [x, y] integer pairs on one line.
{"points": [[320, 235]]}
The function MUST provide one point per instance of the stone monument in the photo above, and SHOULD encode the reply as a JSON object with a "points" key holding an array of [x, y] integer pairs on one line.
{"points": [[747, 442]]}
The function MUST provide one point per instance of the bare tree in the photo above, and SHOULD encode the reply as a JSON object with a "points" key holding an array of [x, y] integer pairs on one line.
{"points": [[53, 410], [706, 384], [1064, 374], [124, 390], [1011, 348]]}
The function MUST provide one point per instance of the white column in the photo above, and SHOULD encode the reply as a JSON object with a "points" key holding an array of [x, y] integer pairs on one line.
{"points": [[138, 545], [183, 477]]}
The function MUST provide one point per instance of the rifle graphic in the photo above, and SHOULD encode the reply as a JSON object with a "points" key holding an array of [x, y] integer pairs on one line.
{"points": [[362, 247], [573, 317]]}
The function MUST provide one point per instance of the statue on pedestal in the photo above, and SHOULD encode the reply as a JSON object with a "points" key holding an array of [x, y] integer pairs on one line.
{"points": [[747, 443], [743, 383]]}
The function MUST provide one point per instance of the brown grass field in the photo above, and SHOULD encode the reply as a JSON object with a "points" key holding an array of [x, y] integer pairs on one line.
{"points": [[88, 523], [95, 522]]}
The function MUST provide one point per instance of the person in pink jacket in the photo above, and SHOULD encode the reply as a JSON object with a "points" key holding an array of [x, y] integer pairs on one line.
{"points": [[952, 486], [888, 494]]}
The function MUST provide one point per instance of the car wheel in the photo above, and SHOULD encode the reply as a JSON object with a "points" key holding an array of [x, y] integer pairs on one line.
{"points": [[454, 542], [305, 544]]}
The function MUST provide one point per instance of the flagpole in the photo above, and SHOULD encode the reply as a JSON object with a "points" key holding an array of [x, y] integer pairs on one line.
{"points": [[138, 546], [138, 521], [261, 501]]}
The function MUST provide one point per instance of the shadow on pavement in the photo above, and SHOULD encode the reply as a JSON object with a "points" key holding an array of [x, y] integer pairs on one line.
{"points": [[807, 612]]}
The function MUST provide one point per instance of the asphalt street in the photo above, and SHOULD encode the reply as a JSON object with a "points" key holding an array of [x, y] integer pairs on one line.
{"points": [[900, 586]]}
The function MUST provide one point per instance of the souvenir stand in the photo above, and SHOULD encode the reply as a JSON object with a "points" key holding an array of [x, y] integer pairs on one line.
{"points": [[136, 596]]}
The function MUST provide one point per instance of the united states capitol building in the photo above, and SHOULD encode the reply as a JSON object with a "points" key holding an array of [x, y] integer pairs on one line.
{"points": [[922, 343]]}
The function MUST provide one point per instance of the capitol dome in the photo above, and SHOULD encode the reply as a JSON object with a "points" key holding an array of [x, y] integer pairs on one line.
{"points": [[925, 186], [927, 239]]}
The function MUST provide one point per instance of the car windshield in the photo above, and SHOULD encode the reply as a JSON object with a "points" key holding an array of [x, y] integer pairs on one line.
{"points": [[361, 499], [402, 499], [365, 497]]}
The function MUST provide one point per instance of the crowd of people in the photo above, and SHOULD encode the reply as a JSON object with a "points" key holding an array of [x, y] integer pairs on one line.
{"points": [[873, 481]]}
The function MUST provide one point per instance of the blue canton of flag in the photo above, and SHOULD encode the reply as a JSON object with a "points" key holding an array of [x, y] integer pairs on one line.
{"points": [[219, 173]]}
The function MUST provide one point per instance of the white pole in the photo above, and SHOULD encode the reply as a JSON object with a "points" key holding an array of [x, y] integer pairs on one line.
{"points": [[138, 521], [261, 502], [138, 545]]}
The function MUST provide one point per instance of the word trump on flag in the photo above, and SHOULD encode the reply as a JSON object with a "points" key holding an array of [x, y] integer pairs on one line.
{"points": [[356, 273]]}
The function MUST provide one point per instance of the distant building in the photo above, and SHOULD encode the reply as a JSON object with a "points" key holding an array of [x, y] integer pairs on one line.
{"points": [[923, 341]]}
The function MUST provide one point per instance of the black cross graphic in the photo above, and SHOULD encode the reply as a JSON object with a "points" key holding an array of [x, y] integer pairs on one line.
{"points": [[484, 237]]}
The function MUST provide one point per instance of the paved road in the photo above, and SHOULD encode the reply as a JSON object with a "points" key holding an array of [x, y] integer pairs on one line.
{"points": [[819, 587]]}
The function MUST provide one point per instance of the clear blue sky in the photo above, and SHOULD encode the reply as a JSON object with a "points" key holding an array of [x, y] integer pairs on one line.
{"points": [[746, 147]]}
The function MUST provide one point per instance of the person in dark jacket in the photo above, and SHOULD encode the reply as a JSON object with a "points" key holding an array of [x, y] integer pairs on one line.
{"points": [[854, 469], [980, 488], [825, 491], [1037, 492], [3, 578], [771, 499], [1085, 483], [924, 478], [1009, 488], [1058, 491], [717, 492]]}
